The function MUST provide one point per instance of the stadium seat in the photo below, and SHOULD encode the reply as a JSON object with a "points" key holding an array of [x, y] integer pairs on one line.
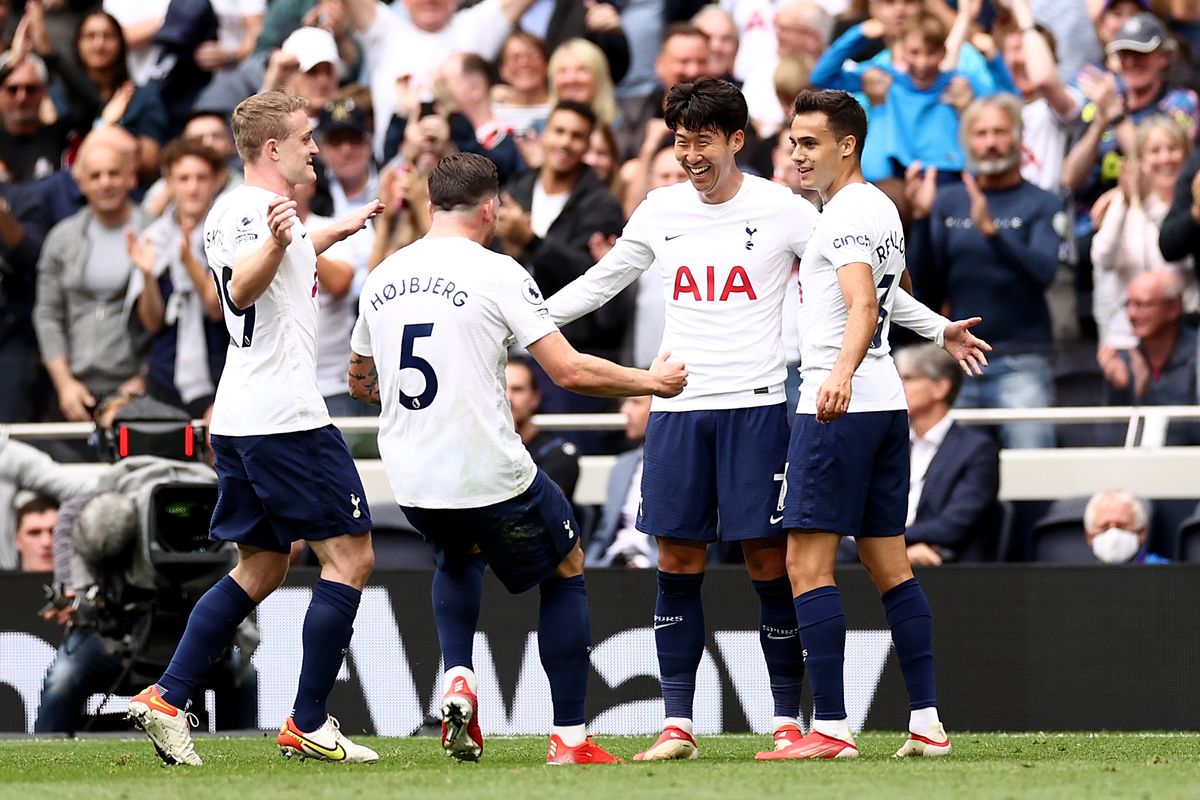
{"points": [[1166, 522], [1058, 536], [1189, 539]]}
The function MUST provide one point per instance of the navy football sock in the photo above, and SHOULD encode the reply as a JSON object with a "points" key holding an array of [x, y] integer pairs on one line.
{"points": [[328, 626], [911, 621], [210, 629], [781, 644], [457, 595], [564, 644], [679, 639], [822, 623]]}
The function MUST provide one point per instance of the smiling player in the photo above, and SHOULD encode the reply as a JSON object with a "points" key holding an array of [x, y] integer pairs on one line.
{"points": [[283, 471], [848, 460]]}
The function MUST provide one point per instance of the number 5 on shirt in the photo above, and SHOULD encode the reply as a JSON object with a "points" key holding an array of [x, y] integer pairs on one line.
{"points": [[409, 360]]}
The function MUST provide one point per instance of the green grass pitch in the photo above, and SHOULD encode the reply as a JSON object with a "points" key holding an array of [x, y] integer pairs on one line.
{"points": [[1090, 766]]}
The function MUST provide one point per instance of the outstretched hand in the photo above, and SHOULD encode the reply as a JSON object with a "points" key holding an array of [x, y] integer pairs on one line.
{"points": [[358, 219], [671, 375], [967, 349]]}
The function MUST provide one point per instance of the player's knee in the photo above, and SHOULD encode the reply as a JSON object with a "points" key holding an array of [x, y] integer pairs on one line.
{"points": [[766, 563], [571, 565], [680, 559]]}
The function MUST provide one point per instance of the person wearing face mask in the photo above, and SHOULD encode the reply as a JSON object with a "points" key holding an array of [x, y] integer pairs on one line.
{"points": [[1114, 523]]}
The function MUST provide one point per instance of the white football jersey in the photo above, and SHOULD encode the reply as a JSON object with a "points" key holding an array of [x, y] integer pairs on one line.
{"points": [[437, 317], [859, 225], [269, 384], [724, 271]]}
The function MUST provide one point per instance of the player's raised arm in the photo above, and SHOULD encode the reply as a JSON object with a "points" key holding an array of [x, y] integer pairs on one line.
{"points": [[620, 267], [254, 269], [346, 227], [586, 374], [968, 349]]}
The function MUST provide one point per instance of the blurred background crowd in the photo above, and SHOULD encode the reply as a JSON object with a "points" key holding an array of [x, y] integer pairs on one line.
{"points": [[1040, 151]]}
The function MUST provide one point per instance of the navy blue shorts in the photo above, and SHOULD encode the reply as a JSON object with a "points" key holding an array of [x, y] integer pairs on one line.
{"points": [[523, 539], [279, 488], [849, 476], [705, 471]]}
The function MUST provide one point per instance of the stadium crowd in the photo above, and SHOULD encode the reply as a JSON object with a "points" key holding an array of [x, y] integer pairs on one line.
{"points": [[1040, 151]]}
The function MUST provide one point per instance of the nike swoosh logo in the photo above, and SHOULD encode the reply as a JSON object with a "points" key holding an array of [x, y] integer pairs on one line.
{"points": [[660, 625], [776, 520], [161, 706], [676, 236], [304, 235], [337, 754]]}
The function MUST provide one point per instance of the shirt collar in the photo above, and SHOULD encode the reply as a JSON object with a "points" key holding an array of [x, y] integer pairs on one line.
{"points": [[934, 435]]}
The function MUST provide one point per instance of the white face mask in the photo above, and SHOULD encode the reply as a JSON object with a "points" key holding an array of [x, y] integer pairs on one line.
{"points": [[1115, 546]]}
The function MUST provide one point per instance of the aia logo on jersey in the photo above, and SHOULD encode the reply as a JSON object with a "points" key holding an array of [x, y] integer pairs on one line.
{"points": [[736, 282]]}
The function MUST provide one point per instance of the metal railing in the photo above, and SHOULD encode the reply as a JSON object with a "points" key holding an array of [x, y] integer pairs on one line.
{"points": [[1146, 426]]}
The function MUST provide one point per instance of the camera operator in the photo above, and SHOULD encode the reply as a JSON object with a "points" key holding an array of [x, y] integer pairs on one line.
{"points": [[131, 558]]}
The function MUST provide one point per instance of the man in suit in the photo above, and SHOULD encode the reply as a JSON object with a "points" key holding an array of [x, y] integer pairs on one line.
{"points": [[953, 513], [615, 541]]}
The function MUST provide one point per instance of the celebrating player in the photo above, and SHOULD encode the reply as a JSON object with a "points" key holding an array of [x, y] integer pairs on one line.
{"points": [[848, 461], [726, 244], [430, 345], [283, 471]]}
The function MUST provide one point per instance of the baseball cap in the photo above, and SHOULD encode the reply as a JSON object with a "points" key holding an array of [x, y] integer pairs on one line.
{"points": [[1142, 33], [343, 115], [313, 46]]}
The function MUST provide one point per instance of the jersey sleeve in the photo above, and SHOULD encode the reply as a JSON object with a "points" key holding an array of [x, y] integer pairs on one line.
{"points": [[802, 217], [846, 239], [360, 337], [522, 306], [621, 266]]}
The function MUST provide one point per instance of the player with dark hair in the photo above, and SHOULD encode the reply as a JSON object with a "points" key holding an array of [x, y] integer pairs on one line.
{"points": [[726, 242], [848, 460], [430, 346]]}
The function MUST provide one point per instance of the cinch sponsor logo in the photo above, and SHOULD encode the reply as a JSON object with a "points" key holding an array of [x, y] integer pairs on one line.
{"points": [[852, 238]]}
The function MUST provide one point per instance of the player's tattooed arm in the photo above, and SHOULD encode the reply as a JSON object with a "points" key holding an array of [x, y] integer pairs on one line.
{"points": [[364, 379]]}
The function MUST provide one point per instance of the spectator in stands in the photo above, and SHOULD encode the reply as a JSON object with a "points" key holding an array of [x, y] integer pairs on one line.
{"points": [[919, 120], [802, 30], [1180, 236], [1050, 114], [1108, 17], [682, 57], [578, 72], [553, 454], [21, 235], [547, 217], [650, 308], [25, 468], [522, 99], [722, 35], [404, 186], [602, 157], [1117, 103], [395, 47], [1126, 243], [94, 88], [847, 61], [988, 247], [1115, 525], [174, 295], [953, 514], [238, 25], [598, 21], [34, 538], [307, 64], [285, 16], [463, 94], [211, 129], [1161, 370], [139, 21], [349, 178], [60, 193], [616, 542], [83, 274], [29, 148]]}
